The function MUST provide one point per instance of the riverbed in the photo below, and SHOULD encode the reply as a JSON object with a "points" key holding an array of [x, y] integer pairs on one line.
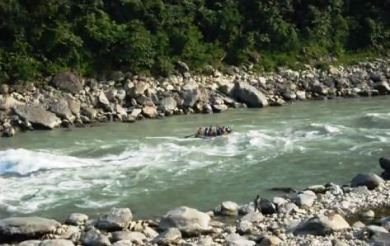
{"points": [[149, 167]]}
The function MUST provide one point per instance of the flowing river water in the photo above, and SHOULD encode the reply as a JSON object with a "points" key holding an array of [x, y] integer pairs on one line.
{"points": [[149, 167]]}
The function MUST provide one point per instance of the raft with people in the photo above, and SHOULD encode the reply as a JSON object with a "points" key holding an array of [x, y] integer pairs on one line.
{"points": [[212, 131]]}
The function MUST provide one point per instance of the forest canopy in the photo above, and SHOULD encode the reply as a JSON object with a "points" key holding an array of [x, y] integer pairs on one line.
{"points": [[42, 37]]}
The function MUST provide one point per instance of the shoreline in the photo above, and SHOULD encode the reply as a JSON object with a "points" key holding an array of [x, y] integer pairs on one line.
{"points": [[70, 101], [327, 214]]}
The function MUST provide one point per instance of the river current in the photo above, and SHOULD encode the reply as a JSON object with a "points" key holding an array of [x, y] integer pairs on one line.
{"points": [[149, 167]]}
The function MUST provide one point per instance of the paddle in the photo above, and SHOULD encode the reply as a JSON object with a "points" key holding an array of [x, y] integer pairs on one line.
{"points": [[192, 135]]}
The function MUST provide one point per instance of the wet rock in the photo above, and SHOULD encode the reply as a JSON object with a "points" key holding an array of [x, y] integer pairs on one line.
{"points": [[301, 95], [267, 207], [61, 109], [56, 242], [229, 208], [149, 111], [218, 108], [305, 199], [317, 188], [91, 113], [168, 104], [383, 87], [30, 243], [117, 219], [68, 82], [371, 181], [243, 92], [187, 220], [169, 237], [236, 240], [26, 227], [37, 115], [385, 163], [8, 131], [133, 236], [95, 238], [322, 225], [270, 241], [76, 219]]}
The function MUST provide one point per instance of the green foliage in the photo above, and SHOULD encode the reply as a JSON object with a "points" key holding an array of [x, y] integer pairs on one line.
{"points": [[42, 37]]}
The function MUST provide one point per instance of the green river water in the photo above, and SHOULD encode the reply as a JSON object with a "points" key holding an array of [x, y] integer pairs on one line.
{"points": [[149, 167]]}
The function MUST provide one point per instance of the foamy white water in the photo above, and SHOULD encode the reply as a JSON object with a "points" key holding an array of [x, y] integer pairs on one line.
{"points": [[150, 167]]}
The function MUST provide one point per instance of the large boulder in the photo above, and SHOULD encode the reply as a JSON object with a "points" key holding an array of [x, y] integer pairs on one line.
{"points": [[229, 208], [26, 227], [383, 87], [68, 82], [321, 225], [76, 219], [138, 89], [244, 92], [8, 102], [385, 163], [150, 111], [305, 199], [168, 104], [95, 238], [188, 220], [190, 93], [370, 180], [36, 114], [117, 219], [170, 237], [61, 109]]}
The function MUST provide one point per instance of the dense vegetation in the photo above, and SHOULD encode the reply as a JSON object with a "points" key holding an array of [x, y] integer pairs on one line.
{"points": [[40, 37]]}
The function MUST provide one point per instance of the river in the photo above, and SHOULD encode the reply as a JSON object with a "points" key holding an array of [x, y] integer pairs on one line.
{"points": [[149, 167]]}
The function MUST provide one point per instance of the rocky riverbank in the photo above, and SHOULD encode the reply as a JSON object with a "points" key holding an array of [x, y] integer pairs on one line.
{"points": [[318, 215], [66, 100]]}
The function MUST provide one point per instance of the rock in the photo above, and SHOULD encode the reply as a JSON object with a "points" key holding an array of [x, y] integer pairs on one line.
{"points": [[305, 199], [30, 243], [188, 220], [61, 109], [95, 238], [68, 82], [91, 113], [103, 99], [337, 242], [380, 239], [385, 222], [56, 242], [385, 163], [26, 227], [76, 219], [121, 95], [9, 132], [288, 208], [218, 108], [375, 229], [236, 240], [383, 87], [369, 214], [169, 237], [358, 225], [117, 219], [245, 227], [138, 89], [279, 201], [37, 115], [150, 111], [322, 225], [270, 241], [243, 92], [229, 208], [136, 112], [371, 181], [7, 103], [133, 236], [245, 209], [123, 243], [190, 94], [253, 217], [111, 94], [168, 104], [183, 67], [317, 188], [267, 207], [4, 89], [150, 233], [120, 110], [301, 95], [74, 106]]}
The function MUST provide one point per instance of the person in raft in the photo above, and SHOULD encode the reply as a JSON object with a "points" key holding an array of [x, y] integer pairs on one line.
{"points": [[213, 131]]}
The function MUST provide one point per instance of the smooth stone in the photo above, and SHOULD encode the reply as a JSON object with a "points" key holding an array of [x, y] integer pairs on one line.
{"points": [[30, 227], [371, 181], [76, 219], [305, 199], [30, 243], [246, 93], [374, 229], [236, 240], [67, 81], [168, 237], [36, 114], [253, 217], [369, 214], [270, 241], [95, 238], [133, 236], [123, 243], [117, 219], [321, 225], [56, 242], [188, 220], [229, 208]]}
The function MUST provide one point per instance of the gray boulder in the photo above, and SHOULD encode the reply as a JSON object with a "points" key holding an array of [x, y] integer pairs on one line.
{"points": [[123, 243], [61, 109], [385, 222], [133, 236], [168, 104], [95, 238], [26, 227], [169, 237], [37, 115], [138, 89], [117, 219], [150, 111], [191, 94], [383, 87], [371, 181], [74, 106], [244, 92], [305, 199], [385, 163], [229, 208], [321, 225], [56, 242], [68, 82], [76, 219], [30, 243], [188, 220]]}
